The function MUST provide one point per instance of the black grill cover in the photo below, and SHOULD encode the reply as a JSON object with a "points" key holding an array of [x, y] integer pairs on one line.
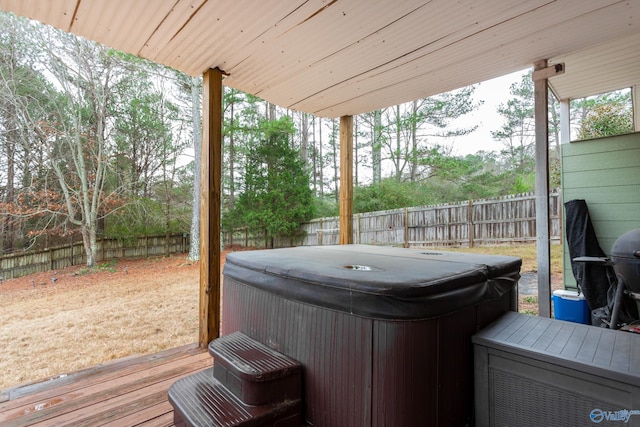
{"points": [[593, 279]]}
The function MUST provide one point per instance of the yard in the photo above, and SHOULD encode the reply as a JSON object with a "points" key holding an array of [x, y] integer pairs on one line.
{"points": [[60, 321]]}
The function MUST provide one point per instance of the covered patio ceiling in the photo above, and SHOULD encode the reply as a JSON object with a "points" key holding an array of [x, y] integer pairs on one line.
{"points": [[337, 58]]}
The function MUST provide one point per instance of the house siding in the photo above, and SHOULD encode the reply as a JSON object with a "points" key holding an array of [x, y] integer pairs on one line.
{"points": [[605, 172]]}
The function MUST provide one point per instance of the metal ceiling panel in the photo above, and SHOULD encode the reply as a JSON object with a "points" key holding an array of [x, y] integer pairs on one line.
{"points": [[57, 13], [599, 69], [510, 46], [128, 32], [403, 53], [176, 18], [334, 37], [221, 31], [344, 57]]}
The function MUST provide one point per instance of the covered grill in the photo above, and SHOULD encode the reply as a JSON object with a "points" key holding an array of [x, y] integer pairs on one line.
{"points": [[598, 276], [625, 257]]}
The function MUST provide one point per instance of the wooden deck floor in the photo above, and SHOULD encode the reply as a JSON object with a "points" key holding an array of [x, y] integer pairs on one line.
{"points": [[126, 392]]}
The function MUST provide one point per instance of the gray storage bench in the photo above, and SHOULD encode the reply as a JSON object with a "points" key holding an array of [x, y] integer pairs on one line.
{"points": [[534, 371]]}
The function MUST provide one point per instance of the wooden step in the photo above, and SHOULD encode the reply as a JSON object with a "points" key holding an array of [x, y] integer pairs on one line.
{"points": [[201, 400], [255, 373]]}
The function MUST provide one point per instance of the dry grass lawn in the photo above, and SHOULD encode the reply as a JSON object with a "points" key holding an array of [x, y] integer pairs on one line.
{"points": [[81, 319]]}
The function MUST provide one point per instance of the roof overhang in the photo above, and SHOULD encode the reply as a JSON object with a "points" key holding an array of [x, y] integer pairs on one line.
{"points": [[345, 57]]}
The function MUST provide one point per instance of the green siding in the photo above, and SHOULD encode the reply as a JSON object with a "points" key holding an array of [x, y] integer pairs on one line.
{"points": [[606, 173]]}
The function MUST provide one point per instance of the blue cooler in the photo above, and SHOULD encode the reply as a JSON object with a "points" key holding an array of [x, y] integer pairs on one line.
{"points": [[570, 306]]}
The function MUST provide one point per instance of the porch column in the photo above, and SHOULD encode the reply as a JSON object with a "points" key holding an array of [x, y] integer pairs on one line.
{"points": [[346, 180], [565, 121], [542, 190], [210, 274]]}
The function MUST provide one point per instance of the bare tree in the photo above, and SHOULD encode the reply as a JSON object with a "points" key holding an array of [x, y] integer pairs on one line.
{"points": [[76, 143]]}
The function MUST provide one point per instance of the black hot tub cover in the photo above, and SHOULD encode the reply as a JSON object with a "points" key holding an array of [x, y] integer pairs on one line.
{"points": [[377, 282]]}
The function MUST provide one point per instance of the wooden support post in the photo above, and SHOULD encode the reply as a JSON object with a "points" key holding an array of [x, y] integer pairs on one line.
{"points": [[542, 192], [210, 189], [346, 180]]}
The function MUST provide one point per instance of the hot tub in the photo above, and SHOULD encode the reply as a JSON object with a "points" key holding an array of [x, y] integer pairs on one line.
{"points": [[383, 334]]}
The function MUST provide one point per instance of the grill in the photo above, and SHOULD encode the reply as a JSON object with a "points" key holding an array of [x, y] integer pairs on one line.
{"points": [[625, 258]]}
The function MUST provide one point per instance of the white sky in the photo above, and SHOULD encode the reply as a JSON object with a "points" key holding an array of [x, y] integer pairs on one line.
{"points": [[493, 92]]}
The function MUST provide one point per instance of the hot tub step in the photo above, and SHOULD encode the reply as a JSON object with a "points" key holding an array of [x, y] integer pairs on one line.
{"points": [[201, 400], [255, 373]]}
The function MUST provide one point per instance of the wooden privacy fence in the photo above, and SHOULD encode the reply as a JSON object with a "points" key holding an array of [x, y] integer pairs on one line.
{"points": [[54, 258], [510, 219]]}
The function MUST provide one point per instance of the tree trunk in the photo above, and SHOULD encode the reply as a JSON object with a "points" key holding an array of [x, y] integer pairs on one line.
{"points": [[90, 244], [320, 159], [376, 149], [398, 144], [414, 141], [355, 148], [232, 155], [9, 195], [304, 139], [334, 157], [194, 241]]}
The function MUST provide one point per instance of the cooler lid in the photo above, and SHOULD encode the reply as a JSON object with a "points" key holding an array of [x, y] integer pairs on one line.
{"points": [[374, 281], [568, 294]]}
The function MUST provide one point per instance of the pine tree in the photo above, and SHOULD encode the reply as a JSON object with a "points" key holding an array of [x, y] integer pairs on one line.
{"points": [[276, 196]]}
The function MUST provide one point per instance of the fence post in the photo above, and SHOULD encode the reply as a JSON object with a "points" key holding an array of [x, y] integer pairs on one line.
{"points": [[472, 229], [406, 227]]}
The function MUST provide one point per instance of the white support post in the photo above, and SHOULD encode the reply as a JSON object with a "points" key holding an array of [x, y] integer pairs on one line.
{"points": [[565, 121], [541, 89]]}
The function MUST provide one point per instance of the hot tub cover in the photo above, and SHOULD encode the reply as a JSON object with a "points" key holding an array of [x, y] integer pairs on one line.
{"points": [[377, 282]]}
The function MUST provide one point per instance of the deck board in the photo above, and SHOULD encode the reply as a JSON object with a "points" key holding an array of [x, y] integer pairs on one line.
{"points": [[127, 392]]}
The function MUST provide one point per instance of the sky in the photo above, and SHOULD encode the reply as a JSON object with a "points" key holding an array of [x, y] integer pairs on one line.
{"points": [[494, 92]]}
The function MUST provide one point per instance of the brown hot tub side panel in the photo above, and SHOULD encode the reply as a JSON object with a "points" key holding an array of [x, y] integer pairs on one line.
{"points": [[415, 385], [365, 372], [334, 349]]}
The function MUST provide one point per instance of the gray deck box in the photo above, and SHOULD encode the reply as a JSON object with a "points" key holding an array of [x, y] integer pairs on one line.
{"points": [[534, 371]]}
